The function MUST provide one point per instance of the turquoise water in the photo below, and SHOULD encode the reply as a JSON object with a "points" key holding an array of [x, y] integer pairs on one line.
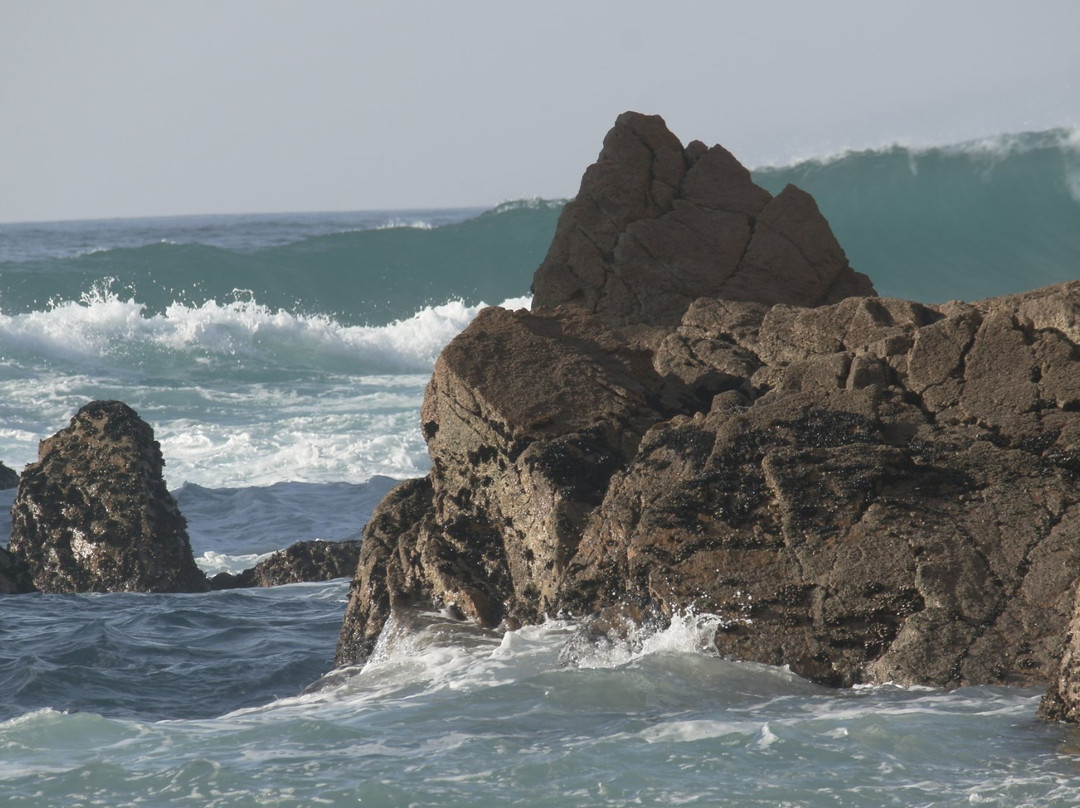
{"points": [[981, 219], [282, 361]]}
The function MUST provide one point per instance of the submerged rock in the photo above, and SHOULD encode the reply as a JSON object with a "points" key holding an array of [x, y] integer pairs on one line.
{"points": [[93, 513], [863, 489]]}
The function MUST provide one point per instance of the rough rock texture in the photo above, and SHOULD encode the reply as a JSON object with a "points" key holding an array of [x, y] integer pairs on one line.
{"points": [[894, 498], [9, 478], [389, 573], [655, 226], [870, 490], [1062, 699], [302, 562], [15, 575], [94, 515]]}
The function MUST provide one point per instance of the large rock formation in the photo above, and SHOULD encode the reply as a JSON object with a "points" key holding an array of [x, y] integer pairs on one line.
{"points": [[655, 226], [865, 489], [889, 495], [93, 513]]}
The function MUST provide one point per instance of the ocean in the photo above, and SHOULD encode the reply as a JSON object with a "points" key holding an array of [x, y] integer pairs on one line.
{"points": [[281, 360]]}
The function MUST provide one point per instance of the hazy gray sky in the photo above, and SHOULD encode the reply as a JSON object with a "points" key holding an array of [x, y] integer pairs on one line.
{"points": [[157, 107]]}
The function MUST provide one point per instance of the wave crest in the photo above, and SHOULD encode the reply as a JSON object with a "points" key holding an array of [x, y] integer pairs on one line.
{"points": [[106, 329]]}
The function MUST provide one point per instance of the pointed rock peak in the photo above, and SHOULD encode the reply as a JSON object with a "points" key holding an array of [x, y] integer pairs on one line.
{"points": [[94, 514], [655, 226]]}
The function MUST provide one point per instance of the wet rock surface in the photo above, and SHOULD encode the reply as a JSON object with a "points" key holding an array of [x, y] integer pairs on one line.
{"points": [[302, 562], [864, 489], [93, 514], [15, 575]]}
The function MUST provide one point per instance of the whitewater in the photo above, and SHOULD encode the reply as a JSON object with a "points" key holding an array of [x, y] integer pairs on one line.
{"points": [[281, 360]]}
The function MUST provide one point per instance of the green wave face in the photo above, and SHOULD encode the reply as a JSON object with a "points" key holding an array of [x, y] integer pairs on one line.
{"points": [[369, 277], [964, 222]]}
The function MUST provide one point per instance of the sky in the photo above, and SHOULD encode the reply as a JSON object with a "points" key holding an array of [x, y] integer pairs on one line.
{"points": [[118, 108]]}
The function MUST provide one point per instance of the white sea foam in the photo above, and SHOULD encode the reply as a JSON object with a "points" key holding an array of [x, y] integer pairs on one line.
{"points": [[212, 563], [437, 652], [238, 394], [408, 224], [991, 148], [107, 330]]}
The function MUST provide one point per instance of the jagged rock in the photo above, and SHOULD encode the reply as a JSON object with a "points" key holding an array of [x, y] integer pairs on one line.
{"points": [[302, 562], [1062, 699], [870, 490], [856, 497], [842, 524], [389, 573], [655, 226], [9, 478], [93, 513]]}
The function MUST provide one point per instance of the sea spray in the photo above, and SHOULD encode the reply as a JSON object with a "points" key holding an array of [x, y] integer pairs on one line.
{"points": [[230, 366]]}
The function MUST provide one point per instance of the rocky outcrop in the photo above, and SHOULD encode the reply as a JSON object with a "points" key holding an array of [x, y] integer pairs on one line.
{"points": [[9, 478], [655, 226], [890, 496], [389, 573], [865, 490], [93, 513], [302, 562]]}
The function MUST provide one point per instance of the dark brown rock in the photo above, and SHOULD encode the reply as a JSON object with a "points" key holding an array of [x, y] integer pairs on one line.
{"points": [[15, 575], [1062, 699], [655, 226], [233, 580], [869, 490], [93, 513], [308, 562], [302, 562], [9, 478], [856, 500], [389, 573]]}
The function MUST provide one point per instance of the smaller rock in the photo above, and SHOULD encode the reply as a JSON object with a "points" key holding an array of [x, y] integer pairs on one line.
{"points": [[308, 561], [655, 226], [229, 580], [94, 514], [9, 478], [303, 562]]}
